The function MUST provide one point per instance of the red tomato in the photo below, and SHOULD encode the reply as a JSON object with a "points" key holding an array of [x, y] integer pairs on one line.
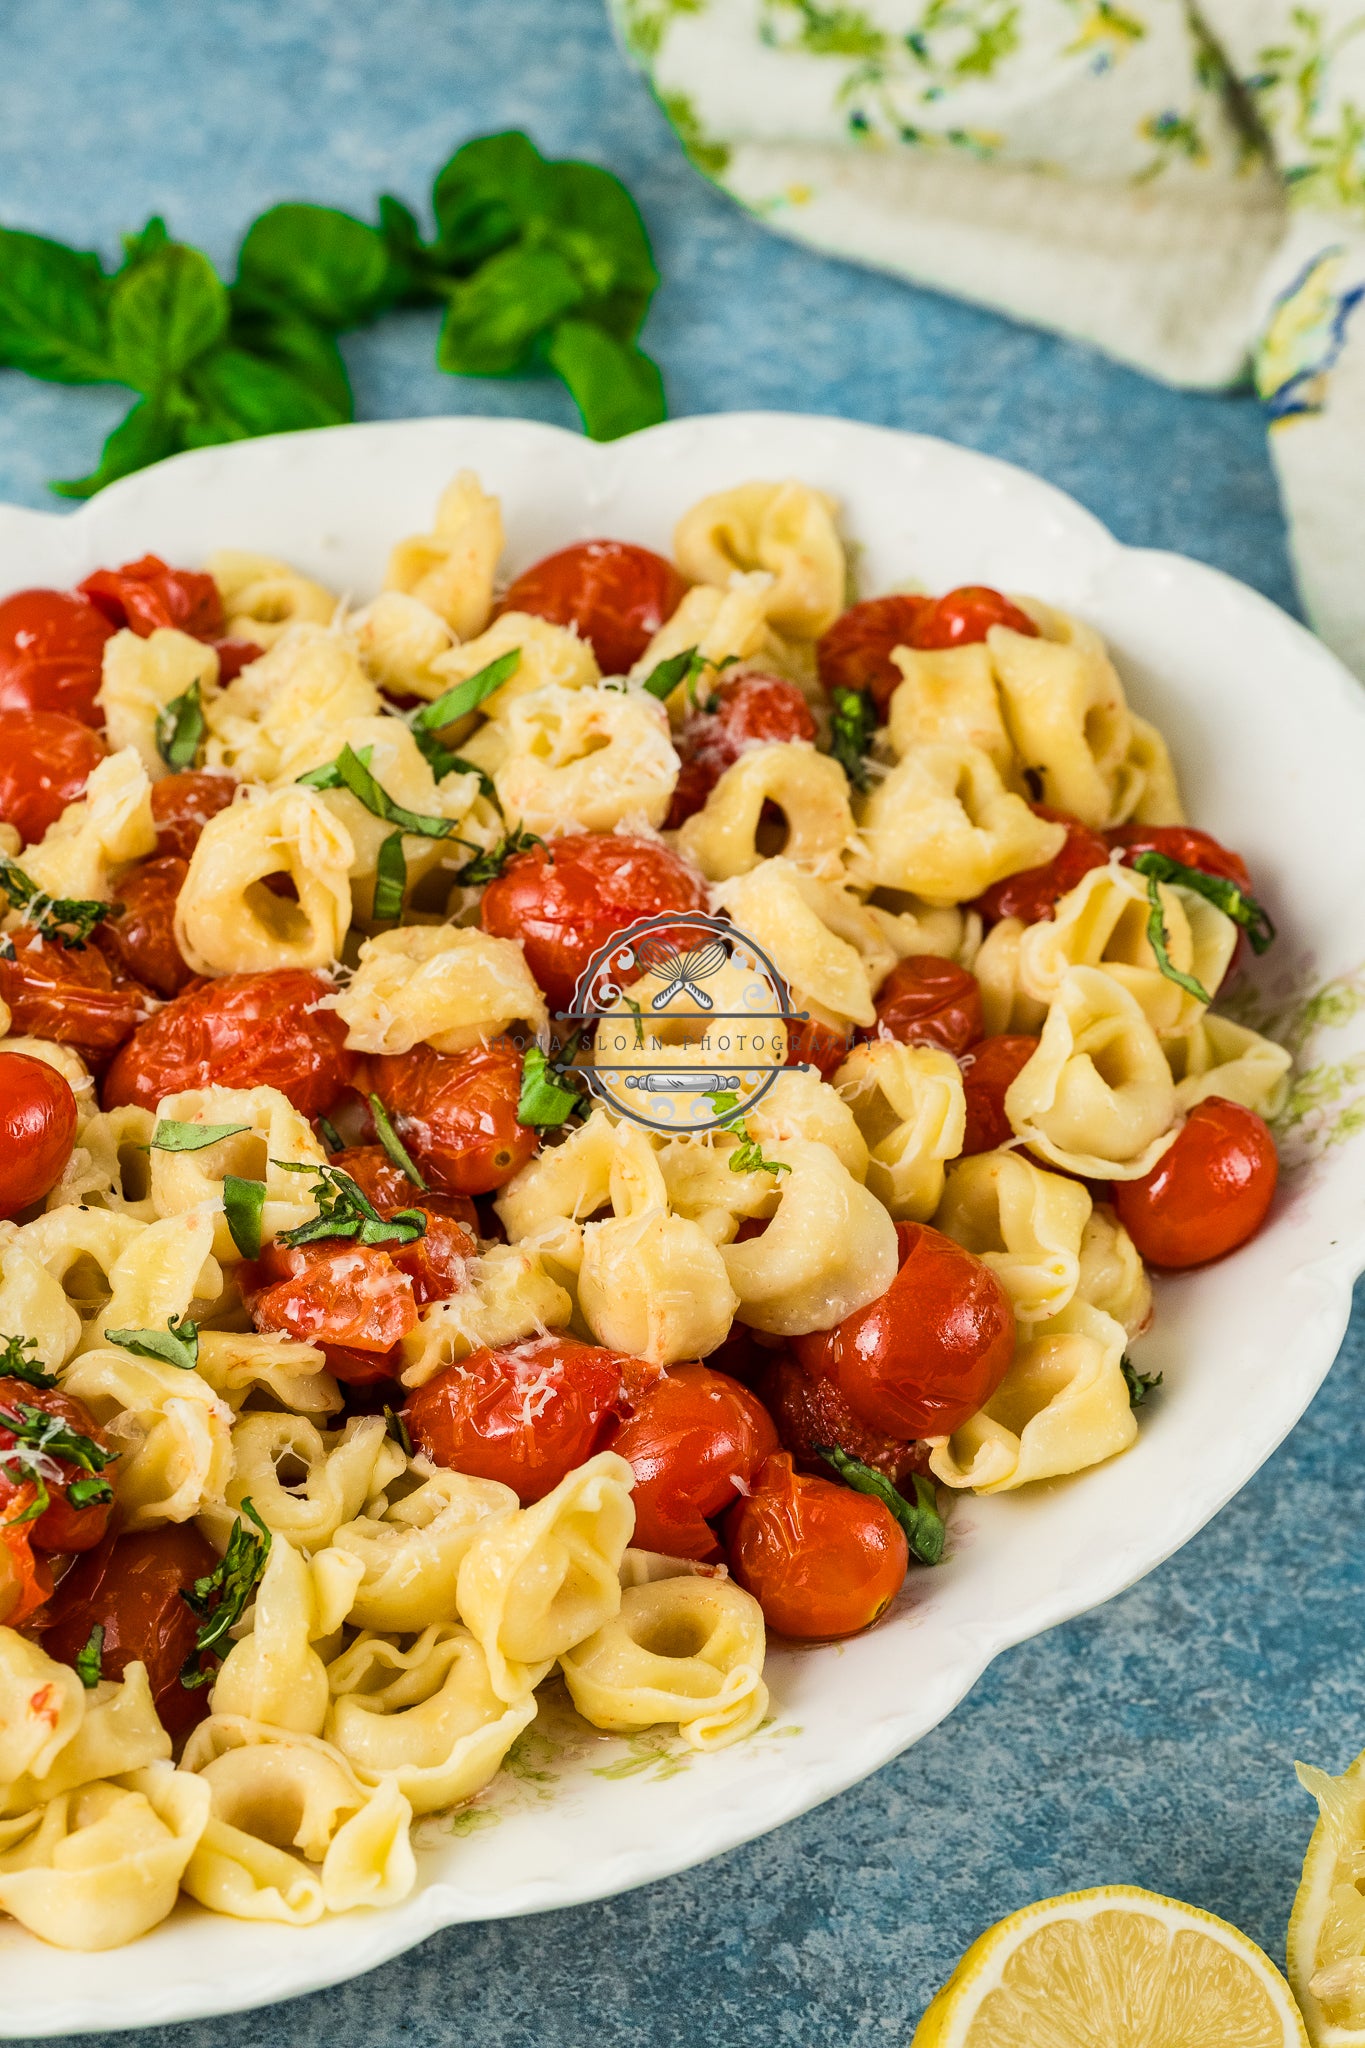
{"points": [[52, 654], [132, 1587], [812, 1415], [695, 1442], [25, 1579], [966, 616], [70, 994], [565, 902], [456, 1113], [987, 1071], [244, 1031], [140, 940], [362, 1368], [45, 762], [924, 1357], [815, 1044], [183, 804], [855, 654], [926, 1000], [614, 594], [1032, 893], [821, 1560], [1208, 1194], [37, 1130], [1192, 848], [347, 1294], [233, 657], [148, 593], [526, 1414], [434, 1262], [61, 1526], [749, 711]]}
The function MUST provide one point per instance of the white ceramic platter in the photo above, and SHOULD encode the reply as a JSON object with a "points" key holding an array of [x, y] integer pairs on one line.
{"points": [[1268, 733]]}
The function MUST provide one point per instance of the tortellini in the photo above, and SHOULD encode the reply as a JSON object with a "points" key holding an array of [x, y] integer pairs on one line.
{"points": [[829, 1249], [547, 654], [274, 1674], [1097, 1097], [949, 698], [584, 760], [227, 921], [942, 825], [654, 1285], [809, 789], [141, 677], [1112, 1276], [909, 1105], [172, 1432], [1103, 922], [327, 1478], [829, 948], [786, 529], [269, 723], [411, 1551], [97, 837], [271, 1137], [1028, 1226], [1069, 719], [237, 1364], [103, 1864], [508, 1294], [1217, 1057], [439, 985], [451, 568], [108, 1167], [681, 1649], [398, 638], [263, 597]]}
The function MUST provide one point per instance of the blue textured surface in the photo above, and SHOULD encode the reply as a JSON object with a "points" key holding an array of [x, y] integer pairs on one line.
{"points": [[1152, 1741]]}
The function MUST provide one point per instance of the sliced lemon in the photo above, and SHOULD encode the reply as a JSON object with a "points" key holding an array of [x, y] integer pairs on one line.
{"points": [[1327, 1926], [1113, 1968]]}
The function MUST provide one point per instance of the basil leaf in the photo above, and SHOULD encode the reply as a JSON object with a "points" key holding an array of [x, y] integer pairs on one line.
{"points": [[544, 1102], [67, 921], [38, 1430], [393, 1144], [146, 242], [14, 1365], [276, 333], [485, 867], [331, 266], [397, 1428], [664, 678], [1157, 940], [170, 1136], [145, 435], [89, 1493], [346, 1211], [390, 880], [616, 387], [466, 696], [89, 1665], [177, 1344], [164, 311], [1220, 890], [598, 227], [349, 772], [243, 1206], [1139, 1384], [920, 1519], [180, 729], [490, 189], [852, 723], [54, 320], [235, 395], [221, 1596], [494, 317], [331, 1136]]}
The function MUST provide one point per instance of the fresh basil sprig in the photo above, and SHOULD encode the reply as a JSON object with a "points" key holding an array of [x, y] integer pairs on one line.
{"points": [[220, 1597], [747, 1156], [177, 1344], [66, 920], [1158, 940], [346, 1211], [462, 698], [920, 1519], [16, 1365], [1243, 909], [853, 720]]}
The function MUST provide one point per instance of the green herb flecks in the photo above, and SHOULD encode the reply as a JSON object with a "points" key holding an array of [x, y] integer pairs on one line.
{"points": [[170, 1136], [393, 1144], [90, 1658], [486, 867], [462, 698], [747, 1156], [244, 1207], [220, 1599], [180, 729], [16, 1365], [39, 1440], [390, 880], [331, 1136], [346, 1211], [1243, 909], [853, 720], [64, 920], [1157, 939], [920, 1519], [687, 667], [1139, 1384], [545, 1103], [177, 1344], [351, 770]]}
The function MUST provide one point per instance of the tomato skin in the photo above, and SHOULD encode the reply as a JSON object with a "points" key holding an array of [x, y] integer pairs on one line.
{"points": [[140, 941], [965, 616], [60, 1526], [52, 654], [1185, 843], [456, 1113], [988, 1067], [695, 1441], [1208, 1194], [69, 994], [233, 657], [132, 1586], [922, 1358], [1033, 893], [242, 1031], [615, 594], [183, 804], [25, 1578], [148, 593], [340, 1292], [565, 902], [46, 760], [524, 1414], [811, 1414], [434, 1262], [37, 1130], [855, 654], [750, 710], [816, 1044], [821, 1560], [927, 1000]]}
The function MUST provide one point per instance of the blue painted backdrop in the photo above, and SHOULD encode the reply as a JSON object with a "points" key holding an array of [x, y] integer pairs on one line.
{"points": [[1150, 1742]]}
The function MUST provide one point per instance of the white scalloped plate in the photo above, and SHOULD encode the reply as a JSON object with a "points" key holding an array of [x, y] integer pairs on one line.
{"points": [[1268, 732]]}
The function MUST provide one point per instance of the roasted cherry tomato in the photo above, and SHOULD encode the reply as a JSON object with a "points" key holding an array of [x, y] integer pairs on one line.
{"points": [[820, 1559], [233, 657], [812, 1415], [37, 1130], [1208, 1193], [987, 1071], [45, 762], [70, 994], [855, 654], [52, 654], [64, 1524], [1192, 848], [615, 594], [1032, 894], [132, 1587], [434, 1262], [695, 1442], [148, 593], [926, 1000], [743, 712], [525, 1414], [183, 804], [243, 1031], [966, 616], [140, 937], [456, 1113], [566, 901], [338, 1293], [929, 1352], [817, 1044], [25, 1577]]}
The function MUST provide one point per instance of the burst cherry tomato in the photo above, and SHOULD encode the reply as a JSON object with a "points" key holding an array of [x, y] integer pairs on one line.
{"points": [[456, 1113], [565, 902], [816, 1044], [526, 1414], [132, 1588], [148, 593], [615, 594], [52, 654], [69, 994], [966, 616], [233, 657], [749, 711], [926, 1000], [37, 1130], [45, 762], [821, 1560], [855, 654], [347, 1294], [987, 1071], [63, 1524], [25, 1577], [695, 1442], [812, 1415], [923, 1357], [1185, 843], [244, 1031], [183, 804], [140, 938], [1208, 1194], [434, 1262], [1032, 894]]}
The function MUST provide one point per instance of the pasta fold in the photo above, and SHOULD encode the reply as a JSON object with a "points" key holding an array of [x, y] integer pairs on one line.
{"points": [[910, 1108], [681, 1649], [1097, 1096], [439, 985], [786, 529], [228, 922]]}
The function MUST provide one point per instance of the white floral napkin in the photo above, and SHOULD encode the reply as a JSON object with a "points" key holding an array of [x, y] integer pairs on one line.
{"points": [[1182, 185]]}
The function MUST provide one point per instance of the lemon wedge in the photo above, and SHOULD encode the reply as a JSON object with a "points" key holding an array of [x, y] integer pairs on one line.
{"points": [[1113, 1968], [1327, 1926]]}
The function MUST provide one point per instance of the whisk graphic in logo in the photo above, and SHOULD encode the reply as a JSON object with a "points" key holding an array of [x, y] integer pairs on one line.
{"points": [[683, 1023]]}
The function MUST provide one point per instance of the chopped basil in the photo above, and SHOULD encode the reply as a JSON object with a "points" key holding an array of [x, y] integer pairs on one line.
{"points": [[747, 1156], [545, 1103], [393, 1144], [170, 1136], [66, 920], [390, 880], [466, 696], [1243, 909], [920, 1518], [177, 1344], [180, 729], [90, 1658], [346, 1211], [397, 1428], [664, 678], [85, 1493], [49, 1436], [220, 1599], [486, 867], [1139, 1384], [244, 1206], [331, 1136], [15, 1366], [351, 771], [853, 721], [1157, 940]]}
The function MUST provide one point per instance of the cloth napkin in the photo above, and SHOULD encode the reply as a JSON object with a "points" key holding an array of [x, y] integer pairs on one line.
{"points": [[1182, 186]]}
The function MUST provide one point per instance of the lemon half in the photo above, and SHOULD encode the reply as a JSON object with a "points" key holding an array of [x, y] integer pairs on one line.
{"points": [[1113, 1968], [1327, 1926]]}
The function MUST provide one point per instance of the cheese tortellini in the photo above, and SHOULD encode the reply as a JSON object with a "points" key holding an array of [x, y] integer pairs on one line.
{"points": [[683, 1649], [227, 920], [438, 985]]}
